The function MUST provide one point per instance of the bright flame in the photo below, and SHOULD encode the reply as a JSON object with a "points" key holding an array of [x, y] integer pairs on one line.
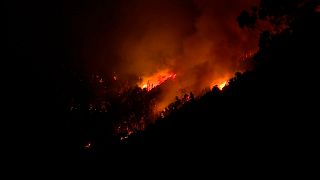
{"points": [[144, 86], [222, 85], [156, 79]]}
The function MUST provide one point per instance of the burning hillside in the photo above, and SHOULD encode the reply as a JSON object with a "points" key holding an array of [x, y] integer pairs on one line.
{"points": [[150, 82], [196, 42], [154, 53]]}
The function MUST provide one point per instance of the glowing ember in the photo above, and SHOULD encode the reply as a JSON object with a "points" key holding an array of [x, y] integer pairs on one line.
{"points": [[87, 146], [156, 79], [317, 9], [222, 85]]}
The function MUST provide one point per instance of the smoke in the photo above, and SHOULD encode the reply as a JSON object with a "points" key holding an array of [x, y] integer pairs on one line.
{"points": [[199, 40], [211, 55]]}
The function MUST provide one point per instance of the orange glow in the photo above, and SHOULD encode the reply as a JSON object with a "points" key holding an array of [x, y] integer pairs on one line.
{"points": [[150, 82], [222, 85], [248, 54], [144, 86]]}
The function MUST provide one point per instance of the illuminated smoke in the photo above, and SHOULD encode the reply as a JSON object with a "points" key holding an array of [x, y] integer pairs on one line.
{"points": [[197, 40]]}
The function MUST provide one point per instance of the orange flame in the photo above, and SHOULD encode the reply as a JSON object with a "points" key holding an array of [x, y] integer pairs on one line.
{"points": [[222, 85], [156, 79]]}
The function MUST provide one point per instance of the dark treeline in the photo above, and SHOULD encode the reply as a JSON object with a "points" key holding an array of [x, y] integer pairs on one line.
{"points": [[272, 106]]}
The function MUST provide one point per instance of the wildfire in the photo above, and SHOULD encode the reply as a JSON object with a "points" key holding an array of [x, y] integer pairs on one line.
{"points": [[156, 79], [248, 54], [222, 85]]}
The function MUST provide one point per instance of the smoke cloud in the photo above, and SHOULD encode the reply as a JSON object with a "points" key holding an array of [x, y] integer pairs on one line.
{"points": [[199, 40]]}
